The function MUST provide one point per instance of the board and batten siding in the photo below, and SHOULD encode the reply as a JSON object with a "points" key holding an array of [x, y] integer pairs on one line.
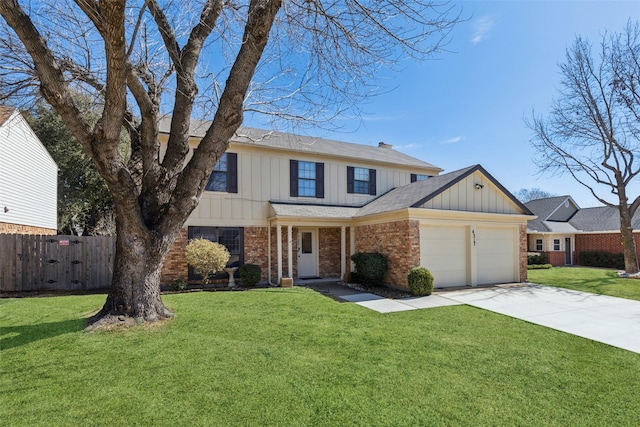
{"points": [[464, 196], [28, 177], [263, 176]]}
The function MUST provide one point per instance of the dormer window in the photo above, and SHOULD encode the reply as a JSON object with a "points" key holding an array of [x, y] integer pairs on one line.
{"points": [[415, 177]]}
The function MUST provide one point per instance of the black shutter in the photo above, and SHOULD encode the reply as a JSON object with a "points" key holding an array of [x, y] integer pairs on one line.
{"points": [[414, 177], [293, 178], [232, 172], [350, 174], [372, 182], [320, 180]]}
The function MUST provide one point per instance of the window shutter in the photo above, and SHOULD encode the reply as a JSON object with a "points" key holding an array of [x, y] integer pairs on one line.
{"points": [[320, 180], [232, 172], [350, 174], [372, 182], [414, 177], [293, 178]]}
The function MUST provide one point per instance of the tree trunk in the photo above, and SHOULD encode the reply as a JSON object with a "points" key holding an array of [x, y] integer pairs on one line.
{"points": [[628, 243], [134, 295]]}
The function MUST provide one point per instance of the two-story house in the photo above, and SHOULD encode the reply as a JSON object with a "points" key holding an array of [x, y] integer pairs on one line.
{"points": [[300, 206]]}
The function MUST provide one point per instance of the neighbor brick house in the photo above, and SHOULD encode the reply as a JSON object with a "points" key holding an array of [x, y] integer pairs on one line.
{"points": [[564, 230], [300, 206], [28, 179]]}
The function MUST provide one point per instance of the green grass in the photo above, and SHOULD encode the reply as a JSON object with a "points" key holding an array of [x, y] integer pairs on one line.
{"points": [[292, 357], [594, 280]]}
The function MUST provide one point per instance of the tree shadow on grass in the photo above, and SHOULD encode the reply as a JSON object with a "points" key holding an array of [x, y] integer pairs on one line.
{"points": [[17, 336]]}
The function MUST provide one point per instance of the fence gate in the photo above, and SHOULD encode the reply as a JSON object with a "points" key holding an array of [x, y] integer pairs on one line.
{"points": [[58, 263]]}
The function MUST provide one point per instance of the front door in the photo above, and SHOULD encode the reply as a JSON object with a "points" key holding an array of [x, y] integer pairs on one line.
{"points": [[567, 251], [307, 250]]}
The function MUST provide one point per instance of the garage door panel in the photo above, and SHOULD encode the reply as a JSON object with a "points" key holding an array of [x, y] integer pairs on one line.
{"points": [[495, 255], [444, 253]]}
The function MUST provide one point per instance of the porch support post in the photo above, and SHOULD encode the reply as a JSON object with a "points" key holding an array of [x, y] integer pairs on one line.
{"points": [[343, 251], [352, 248], [269, 253], [290, 251], [279, 249]]}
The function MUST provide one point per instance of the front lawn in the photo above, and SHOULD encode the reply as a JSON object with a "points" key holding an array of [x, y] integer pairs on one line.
{"points": [[292, 357], [594, 280]]}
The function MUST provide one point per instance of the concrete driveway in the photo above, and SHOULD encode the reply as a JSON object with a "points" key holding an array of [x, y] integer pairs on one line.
{"points": [[610, 320]]}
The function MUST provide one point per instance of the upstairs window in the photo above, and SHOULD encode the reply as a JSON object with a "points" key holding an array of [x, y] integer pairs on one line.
{"points": [[225, 174], [306, 179], [361, 181], [415, 177]]}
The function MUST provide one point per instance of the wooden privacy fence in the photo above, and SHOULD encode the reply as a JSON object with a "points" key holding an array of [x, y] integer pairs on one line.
{"points": [[55, 263]]}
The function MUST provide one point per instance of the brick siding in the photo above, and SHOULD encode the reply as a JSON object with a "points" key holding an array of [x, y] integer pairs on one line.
{"points": [[175, 264], [6, 228], [329, 252], [256, 248], [523, 253], [399, 241], [606, 242]]}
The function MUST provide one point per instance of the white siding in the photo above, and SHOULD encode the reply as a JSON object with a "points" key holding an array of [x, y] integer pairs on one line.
{"points": [[28, 177], [263, 175], [464, 196]]}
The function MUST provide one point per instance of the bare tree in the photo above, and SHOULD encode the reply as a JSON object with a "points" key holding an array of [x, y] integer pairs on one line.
{"points": [[202, 57], [527, 194], [593, 129]]}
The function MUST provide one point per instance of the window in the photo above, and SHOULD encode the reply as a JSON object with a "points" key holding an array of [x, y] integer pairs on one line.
{"points": [[556, 244], [225, 174], [417, 177], [306, 179], [538, 244], [231, 237], [361, 181]]}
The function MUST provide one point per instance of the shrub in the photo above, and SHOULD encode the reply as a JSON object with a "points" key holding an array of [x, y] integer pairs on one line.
{"points": [[178, 285], [601, 259], [537, 259], [250, 274], [206, 257], [370, 267], [539, 266], [420, 281]]}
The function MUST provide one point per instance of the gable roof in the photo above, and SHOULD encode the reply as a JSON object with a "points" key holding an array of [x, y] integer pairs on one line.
{"points": [[5, 113], [418, 193], [307, 144]]}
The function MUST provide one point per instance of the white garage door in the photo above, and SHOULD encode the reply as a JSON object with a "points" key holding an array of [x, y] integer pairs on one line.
{"points": [[495, 249], [443, 250]]}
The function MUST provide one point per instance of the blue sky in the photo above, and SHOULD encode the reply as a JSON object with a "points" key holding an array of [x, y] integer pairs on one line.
{"points": [[469, 106]]}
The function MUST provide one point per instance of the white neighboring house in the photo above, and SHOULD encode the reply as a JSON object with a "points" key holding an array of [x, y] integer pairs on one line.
{"points": [[28, 179]]}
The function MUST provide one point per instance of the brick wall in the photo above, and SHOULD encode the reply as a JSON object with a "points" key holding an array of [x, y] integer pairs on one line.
{"points": [[399, 241], [329, 252], [175, 264], [606, 242], [256, 248], [523, 253], [6, 228]]}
